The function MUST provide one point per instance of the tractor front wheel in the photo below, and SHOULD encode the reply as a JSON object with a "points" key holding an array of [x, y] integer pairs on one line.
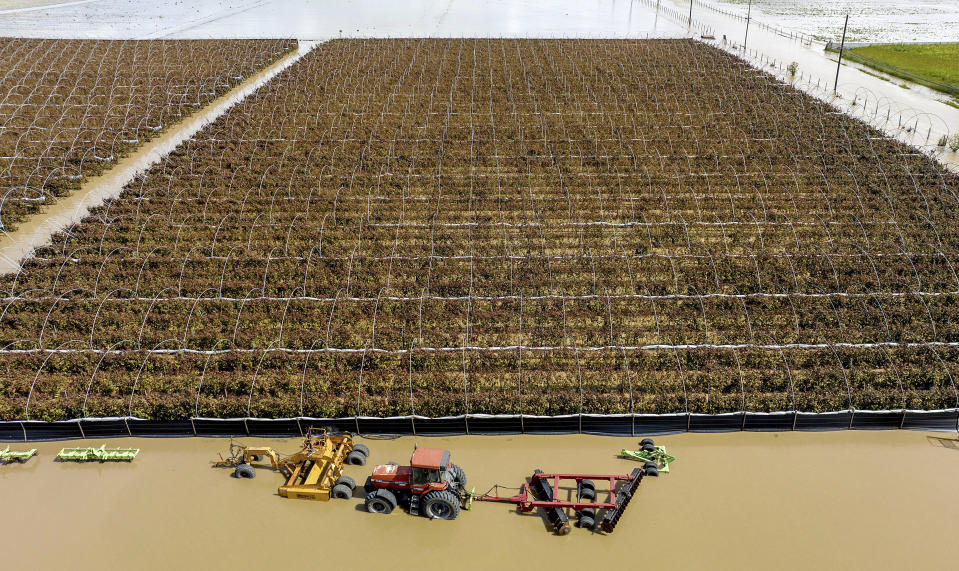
{"points": [[381, 502], [441, 504]]}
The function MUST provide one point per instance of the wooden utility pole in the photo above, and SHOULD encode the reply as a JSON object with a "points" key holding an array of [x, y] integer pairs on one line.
{"points": [[749, 14]]}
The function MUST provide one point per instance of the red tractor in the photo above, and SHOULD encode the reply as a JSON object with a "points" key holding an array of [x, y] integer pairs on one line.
{"points": [[431, 485]]}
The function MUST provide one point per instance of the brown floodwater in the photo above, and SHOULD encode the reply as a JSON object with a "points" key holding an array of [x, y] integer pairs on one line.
{"points": [[834, 500]]}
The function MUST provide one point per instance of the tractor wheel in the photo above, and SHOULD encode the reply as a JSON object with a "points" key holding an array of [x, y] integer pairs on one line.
{"points": [[362, 448], [649, 448], [441, 504], [587, 494], [244, 471], [587, 512], [459, 476], [381, 502], [341, 492], [257, 457], [345, 481], [587, 522], [646, 441], [356, 458]]}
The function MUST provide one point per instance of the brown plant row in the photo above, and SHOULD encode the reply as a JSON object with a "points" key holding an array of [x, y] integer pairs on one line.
{"points": [[71, 108], [444, 227]]}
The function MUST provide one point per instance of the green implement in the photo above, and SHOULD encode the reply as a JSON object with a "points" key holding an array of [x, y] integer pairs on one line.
{"points": [[101, 454], [7, 456], [657, 455]]}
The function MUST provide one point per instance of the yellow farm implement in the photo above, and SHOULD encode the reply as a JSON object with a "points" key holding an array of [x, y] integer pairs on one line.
{"points": [[313, 473]]}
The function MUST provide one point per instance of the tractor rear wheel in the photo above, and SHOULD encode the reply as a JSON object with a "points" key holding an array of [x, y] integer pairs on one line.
{"points": [[362, 448], [381, 502], [341, 492], [356, 458], [346, 481], [441, 504], [459, 476], [244, 471]]}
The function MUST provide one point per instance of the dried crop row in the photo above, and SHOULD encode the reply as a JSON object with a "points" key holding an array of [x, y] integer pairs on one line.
{"points": [[70, 108], [502, 226]]}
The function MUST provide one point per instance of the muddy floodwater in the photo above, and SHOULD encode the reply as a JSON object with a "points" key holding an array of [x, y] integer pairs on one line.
{"points": [[836, 500]]}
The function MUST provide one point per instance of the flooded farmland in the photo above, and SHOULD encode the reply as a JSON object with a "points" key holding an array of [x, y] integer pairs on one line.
{"points": [[869, 21], [855, 499]]}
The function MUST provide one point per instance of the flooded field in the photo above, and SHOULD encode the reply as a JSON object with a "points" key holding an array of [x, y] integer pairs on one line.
{"points": [[322, 19], [741, 500], [869, 20]]}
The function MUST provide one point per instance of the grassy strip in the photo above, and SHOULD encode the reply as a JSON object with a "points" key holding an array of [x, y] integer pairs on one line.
{"points": [[932, 65]]}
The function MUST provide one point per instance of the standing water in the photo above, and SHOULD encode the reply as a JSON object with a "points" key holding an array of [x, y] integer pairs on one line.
{"points": [[835, 500], [873, 21]]}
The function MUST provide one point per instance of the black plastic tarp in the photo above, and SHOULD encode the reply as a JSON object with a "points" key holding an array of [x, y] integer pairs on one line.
{"points": [[610, 425]]}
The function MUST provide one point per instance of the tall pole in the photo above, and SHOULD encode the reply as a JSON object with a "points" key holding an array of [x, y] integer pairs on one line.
{"points": [[690, 23], [842, 44], [749, 14]]}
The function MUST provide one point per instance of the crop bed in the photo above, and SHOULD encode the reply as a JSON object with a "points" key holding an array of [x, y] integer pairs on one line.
{"points": [[70, 108], [447, 227]]}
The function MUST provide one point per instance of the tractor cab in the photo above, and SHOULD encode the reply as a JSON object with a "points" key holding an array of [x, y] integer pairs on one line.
{"points": [[429, 466]]}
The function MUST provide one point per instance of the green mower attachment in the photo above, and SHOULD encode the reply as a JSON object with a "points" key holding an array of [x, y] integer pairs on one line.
{"points": [[101, 454], [7, 456], [657, 454]]}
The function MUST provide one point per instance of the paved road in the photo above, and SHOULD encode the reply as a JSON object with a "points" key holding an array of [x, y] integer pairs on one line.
{"points": [[876, 99]]}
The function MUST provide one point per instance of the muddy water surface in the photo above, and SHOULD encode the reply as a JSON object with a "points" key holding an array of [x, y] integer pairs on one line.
{"points": [[839, 500]]}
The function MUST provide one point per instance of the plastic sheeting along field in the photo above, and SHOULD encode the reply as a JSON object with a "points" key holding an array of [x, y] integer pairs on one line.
{"points": [[847, 500], [539, 227]]}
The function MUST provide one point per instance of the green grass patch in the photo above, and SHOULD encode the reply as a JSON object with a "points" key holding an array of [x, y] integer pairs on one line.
{"points": [[932, 65]]}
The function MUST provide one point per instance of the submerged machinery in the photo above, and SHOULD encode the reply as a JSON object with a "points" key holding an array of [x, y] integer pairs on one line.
{"points": [[313, 473], [431, 485]]}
